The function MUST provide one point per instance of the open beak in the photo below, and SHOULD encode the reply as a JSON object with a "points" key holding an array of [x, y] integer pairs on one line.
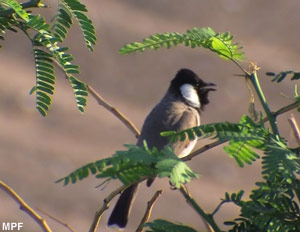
{"points": [[208, 87]]}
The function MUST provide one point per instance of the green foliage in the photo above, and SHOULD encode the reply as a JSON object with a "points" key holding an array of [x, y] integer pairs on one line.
{"points": [[46, 47], [282, 75], [16, 6], [271, 207], [242, 137], [165, 226], [136, 164], [45, 80], [220, 43], [69, 10]]}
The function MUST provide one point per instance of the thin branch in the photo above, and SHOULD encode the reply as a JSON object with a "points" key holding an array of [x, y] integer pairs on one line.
{"points": [[285, 109], [240, 67], [104, 207], [147, 214], [106, 203], [207, 218], [57, 220], [295, 128], [25, 207], [114, 111], [218, 207]]}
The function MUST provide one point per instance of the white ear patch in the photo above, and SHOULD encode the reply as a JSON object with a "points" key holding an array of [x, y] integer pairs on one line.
{"points": [[190, 94]]}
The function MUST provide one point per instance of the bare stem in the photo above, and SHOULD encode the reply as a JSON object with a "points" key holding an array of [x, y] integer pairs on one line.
{"points": [[106, 203], [104, 207], [57, 220], [25, 207], [285, 109], [147, 214], [208, 218], [114, 111]]}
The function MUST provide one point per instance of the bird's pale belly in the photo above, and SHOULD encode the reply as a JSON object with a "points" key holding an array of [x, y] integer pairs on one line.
{"points": [[188, 149]]}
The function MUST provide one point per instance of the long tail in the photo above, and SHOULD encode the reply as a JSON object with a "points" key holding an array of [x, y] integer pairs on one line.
{"points": [[119, 215]]}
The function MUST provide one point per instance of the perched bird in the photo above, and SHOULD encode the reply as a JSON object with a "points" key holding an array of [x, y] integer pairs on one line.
{"points": [[178, 110]]}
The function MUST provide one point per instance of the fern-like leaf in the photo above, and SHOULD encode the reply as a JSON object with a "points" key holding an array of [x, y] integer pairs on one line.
{"points": [[127, 166], [243, 137], [220, 43], [45, 80], [63, 22], [67, 11], [169, 165], [282, 75], [242, 151], [16, 6], [135, 164], [46, 39], [279, 159], [160, 225], [234, 197], [80, 91]]}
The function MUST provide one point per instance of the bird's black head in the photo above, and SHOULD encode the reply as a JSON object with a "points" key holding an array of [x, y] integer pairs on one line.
{"points": [[191, 88]]}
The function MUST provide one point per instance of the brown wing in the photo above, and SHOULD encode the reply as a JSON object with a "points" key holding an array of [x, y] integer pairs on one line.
{"points": [[189, 119]]}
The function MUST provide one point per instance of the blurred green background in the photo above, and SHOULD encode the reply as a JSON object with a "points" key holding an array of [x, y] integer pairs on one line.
{"points": [[36, 151]]}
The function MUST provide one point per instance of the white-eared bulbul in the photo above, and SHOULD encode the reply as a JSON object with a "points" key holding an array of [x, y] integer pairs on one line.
{"points": [[178, 110]]}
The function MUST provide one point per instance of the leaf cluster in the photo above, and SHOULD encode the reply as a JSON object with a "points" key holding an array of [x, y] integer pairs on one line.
{"points": [[242, 137], [46, 39], [136, 164], [272, 206]]}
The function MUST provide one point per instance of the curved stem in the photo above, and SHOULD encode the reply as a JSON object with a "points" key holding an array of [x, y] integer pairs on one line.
{"points": [[104, 207], [208, 218], [147, 214], [114, 111]]}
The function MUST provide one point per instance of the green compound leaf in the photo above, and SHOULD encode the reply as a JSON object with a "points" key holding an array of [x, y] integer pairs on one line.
{"points": [[282, 75], [69, 10], [134, 164], [220, 43], [242, 137], [45, 80], [16, 6], [80, 92], [169, 165]]}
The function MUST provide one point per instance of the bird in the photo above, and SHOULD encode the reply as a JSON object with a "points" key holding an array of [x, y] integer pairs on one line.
{"points": [[179, 109]]}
